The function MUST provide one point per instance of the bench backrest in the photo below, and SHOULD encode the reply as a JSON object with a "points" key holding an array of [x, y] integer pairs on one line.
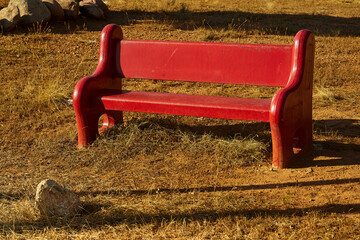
{"points": [[252, 64]]}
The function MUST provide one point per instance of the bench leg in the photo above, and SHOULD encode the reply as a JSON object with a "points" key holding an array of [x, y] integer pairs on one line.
{"points": [[110, 119], [87, 125], [290, 142], [302, 141]]}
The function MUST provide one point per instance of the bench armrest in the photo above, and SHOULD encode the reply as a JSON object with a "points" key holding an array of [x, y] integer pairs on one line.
{"points": [[103, 77], [299, 87]]}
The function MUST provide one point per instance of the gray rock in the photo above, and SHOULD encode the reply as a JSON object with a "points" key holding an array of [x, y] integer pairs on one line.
{"points": [[57, 13], [53, 200], [89, 9], [102, 5], [31, 11], [70, 7], [9, 17]]}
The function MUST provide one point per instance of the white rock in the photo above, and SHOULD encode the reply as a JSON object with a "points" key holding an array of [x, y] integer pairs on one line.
{"points": [[9, 17], [31, 11], [53, 200]]}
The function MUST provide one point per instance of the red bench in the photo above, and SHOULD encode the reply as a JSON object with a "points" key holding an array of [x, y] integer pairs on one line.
{"points": [[287, 66]]}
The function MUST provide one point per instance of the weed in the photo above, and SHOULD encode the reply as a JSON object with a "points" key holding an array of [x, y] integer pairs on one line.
{"points": [[40, 27], [324, 94]]}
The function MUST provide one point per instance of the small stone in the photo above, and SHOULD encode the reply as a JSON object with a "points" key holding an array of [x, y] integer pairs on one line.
{"points": [[54, 200], [9, 17], [309, 170]]}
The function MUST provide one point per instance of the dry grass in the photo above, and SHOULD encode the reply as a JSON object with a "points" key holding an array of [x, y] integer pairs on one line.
{"points": [[187, 216], [160, 138], [158, 176]]}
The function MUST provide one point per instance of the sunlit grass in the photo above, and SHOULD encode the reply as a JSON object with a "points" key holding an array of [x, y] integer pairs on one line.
{"points": [[163, 177], [160, 139]]}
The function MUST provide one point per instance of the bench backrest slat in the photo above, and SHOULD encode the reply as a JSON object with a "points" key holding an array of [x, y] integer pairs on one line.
{"points": [[266, 65]]}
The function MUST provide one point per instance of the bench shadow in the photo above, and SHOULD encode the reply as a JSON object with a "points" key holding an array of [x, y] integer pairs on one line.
{"points": [[242, 22], [130, 217], [138, 218], [90, 207], [222, 189], [277, 24], [336, 153], [230, 129], [343, 127], [119, 216]]}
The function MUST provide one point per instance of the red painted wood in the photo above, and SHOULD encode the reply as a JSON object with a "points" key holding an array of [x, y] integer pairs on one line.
{"points": [[186, 104], [289, 112], [88, 87], [205, 62], [291, 107]]}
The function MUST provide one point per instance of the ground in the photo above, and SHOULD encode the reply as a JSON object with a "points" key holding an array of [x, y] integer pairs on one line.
{"points": [[160, 177]]}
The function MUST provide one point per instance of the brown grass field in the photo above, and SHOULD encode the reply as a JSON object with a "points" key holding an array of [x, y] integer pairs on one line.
{"points": [[172, 177]]}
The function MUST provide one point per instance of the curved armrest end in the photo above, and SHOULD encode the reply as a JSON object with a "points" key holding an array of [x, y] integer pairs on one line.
{"points": [[111, 34], [302, 63], [83, 91], [298, 91]]}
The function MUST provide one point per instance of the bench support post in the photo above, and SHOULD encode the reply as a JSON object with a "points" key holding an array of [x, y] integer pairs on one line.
{"points": [[110, 119], [291, 107], [88, 88]]}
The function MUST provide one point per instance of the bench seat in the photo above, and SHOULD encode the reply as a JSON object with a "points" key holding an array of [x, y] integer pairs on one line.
{"points": [[186, 104]]}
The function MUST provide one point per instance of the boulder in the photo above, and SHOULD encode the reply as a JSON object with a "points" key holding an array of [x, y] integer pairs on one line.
{"points": [[31, 11], [9, 17], [89, 9], [57, 13], [54, 200], [71, 8], [102, 6]]}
